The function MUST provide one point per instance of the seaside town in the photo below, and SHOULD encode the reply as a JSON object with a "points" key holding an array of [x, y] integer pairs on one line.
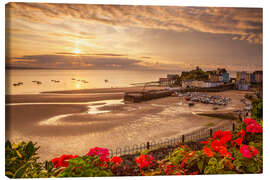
{"points": [[199, 79]]}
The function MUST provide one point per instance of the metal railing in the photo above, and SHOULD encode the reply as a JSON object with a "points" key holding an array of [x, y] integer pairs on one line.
{"points": [[191, 139]]}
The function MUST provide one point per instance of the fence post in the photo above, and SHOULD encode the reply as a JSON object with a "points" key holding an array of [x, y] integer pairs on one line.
{"points": [[148, 145], [211, 132], [183, 138], [233, 127]]}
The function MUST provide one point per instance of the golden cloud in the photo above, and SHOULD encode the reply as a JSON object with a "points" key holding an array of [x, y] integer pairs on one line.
{"points": [[242, 23]]}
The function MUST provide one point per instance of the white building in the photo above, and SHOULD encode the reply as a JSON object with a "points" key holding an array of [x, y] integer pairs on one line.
{"points": [[210, 84], [201, 84], [198, 84], [186, 84]]}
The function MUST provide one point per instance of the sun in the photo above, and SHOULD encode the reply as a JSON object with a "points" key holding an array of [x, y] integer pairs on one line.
{"points": [[77, 51]]}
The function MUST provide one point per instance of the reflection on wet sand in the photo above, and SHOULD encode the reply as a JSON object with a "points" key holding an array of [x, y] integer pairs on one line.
{"points": [[93, 108]]}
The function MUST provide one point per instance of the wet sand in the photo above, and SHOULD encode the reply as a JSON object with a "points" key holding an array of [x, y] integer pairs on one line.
{"points": [[71, 123], [84, 95], [105, 90]]}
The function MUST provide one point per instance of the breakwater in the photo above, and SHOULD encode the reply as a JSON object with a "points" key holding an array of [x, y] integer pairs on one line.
{"points": [[136, 97]]}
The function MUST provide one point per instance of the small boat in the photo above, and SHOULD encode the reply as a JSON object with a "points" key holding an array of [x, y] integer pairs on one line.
{"points": [[18, 84], [55, 81], [73, 79], [39, 82], [106, 80]]}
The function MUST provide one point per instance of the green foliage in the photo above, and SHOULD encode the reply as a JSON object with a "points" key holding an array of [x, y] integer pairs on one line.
{"points": [[21, 161], [85, 166], [246, 165], [177, 155], [257, 109], [196, 74]]}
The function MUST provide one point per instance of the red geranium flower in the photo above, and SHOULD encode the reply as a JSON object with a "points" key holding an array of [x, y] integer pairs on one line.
{"points": [[223, 136], [218, 134], [144, 160], [116, 160], [205, 142], [56, 162], [244, 150], [248, 121], [220, 147], [238, 141], [241, 133], [254, 128], [62, 161], [248, 151], [216, 144], [103, 153], [224, 151], [208, 152]]}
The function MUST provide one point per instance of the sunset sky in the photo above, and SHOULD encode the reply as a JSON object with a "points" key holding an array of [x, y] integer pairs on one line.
{"points": [[133, 37]]}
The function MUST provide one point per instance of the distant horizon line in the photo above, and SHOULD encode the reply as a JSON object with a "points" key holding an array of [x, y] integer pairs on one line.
{"points": [[45, 68]]}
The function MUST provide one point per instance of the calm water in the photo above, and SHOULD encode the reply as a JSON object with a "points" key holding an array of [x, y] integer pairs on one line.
{"points": [[94, 78]]}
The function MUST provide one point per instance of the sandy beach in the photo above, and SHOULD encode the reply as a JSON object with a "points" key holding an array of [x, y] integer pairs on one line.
{"points": [[71, 122]]}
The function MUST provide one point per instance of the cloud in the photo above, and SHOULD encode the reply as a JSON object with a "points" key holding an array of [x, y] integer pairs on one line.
{"points": [[146, 57], [97, 54], [69, 61], [72, 61], [241, 23], [109, 54]]}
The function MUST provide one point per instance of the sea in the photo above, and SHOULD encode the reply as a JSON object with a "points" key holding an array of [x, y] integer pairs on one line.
{"points": [[58, 80]]}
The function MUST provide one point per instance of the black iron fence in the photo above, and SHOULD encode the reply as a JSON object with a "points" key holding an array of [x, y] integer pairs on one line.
{"points": [[192, 139]]}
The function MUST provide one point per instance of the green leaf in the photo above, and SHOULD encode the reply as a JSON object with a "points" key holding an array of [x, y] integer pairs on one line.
{"points": [[9, 174], [212, 161], [200, 165], [8, 145], [48, 165], [220, 164], [20, 172], [30, 149]]}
